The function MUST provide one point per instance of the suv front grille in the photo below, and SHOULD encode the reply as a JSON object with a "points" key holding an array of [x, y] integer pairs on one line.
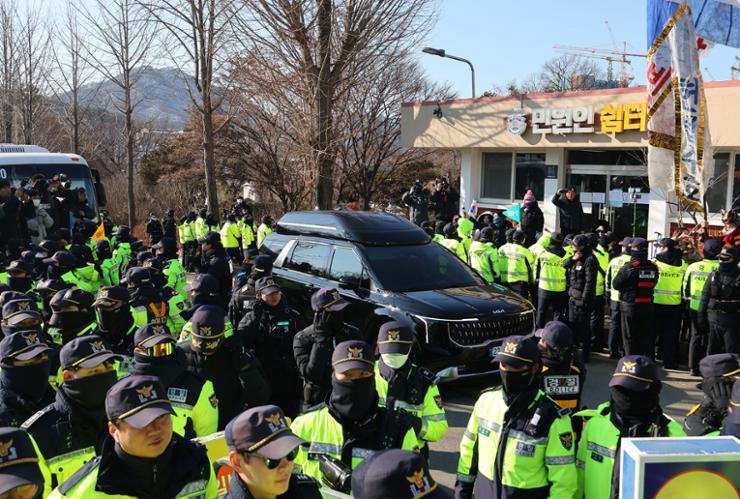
{"points": [[481, 332]]}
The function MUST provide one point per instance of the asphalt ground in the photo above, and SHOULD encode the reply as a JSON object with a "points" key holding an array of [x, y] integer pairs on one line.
{"points": [[678, 395]]}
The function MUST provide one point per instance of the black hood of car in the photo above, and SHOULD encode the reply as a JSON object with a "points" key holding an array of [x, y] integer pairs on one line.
{"points": [[461, 303]]}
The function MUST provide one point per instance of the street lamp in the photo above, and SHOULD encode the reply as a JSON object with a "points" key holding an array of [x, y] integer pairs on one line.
{"points": [[442, 53]]}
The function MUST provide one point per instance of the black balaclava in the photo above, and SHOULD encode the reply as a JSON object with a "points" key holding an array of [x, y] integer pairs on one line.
{"points": [[166, 368], [103, 252], [328, 322], [30, 382], [727, 262], [20, 284], [672, 257], [439, 227], [354, 400], [517, 383], [89, 392], [553, 358], [636, 408], [450, 231], [71, 322], [114, 323], [717, 390]]}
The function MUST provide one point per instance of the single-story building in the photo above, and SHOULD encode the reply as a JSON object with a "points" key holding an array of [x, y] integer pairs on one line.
{"points": [[594, 140]]}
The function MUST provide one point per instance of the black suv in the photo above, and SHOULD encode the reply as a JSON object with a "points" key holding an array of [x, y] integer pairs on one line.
{"points": [[389, 269]]}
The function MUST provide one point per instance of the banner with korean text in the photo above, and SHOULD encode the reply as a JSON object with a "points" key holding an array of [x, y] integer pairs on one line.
{"points": [[679, 145]]}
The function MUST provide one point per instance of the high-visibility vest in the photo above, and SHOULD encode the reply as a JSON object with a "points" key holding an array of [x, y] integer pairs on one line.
{"points": [[456, 247], [515, 263], [200, 227], [230, 235], [262, 232], [326, 436], [186, 233], [551, 273], [484, 259], [603, 258], [611, 272], [667, 291], [177, 278], [694, 279]]}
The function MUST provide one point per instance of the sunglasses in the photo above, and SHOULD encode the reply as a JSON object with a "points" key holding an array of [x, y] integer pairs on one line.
{"points": [[274, 463], [162, 349]]}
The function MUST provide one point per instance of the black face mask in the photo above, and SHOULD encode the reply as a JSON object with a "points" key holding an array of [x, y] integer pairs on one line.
{"points": [[70, 321], [166, 368], [717, 390], [104, 254], [21, 284], [30, 382], [89, 392], [331, 321], [353, 399], [113, 320], [636, 407], [515, 383]]}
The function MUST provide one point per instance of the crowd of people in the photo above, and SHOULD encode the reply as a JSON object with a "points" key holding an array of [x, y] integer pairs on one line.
{"points": [[112, 360]]}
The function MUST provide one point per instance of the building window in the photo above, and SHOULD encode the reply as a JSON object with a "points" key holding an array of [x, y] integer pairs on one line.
{"points": [[530, 175], [496, 175], [716, 195]]}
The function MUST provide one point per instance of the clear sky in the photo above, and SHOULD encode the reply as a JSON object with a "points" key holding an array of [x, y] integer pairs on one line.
{"points": [[509, 39]]}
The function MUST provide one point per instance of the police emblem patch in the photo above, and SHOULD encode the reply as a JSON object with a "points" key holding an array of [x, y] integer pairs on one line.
{"points": [[213, 400], [438, 401], [567, 440]]}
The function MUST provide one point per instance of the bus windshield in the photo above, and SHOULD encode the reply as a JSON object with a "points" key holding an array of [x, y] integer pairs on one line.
{"points": [[78, 176]]}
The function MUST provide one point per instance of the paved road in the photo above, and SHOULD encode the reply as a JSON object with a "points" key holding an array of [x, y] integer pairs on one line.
{"points": [[678, 395]]}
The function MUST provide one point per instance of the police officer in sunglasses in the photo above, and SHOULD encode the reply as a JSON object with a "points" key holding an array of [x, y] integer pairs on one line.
{"points": [[262, 449]]}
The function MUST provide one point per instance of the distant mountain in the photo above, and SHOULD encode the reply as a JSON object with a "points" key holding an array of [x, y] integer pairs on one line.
{"points": [[160, 96]]}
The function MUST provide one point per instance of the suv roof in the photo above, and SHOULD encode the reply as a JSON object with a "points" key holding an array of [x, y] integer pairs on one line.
{"points": [[366, 227]]}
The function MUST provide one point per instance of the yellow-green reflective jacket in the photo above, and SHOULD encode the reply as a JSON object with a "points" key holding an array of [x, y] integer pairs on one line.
{"points": [[667, 290], [326, 436], [694, 279], [537, 458], [597, 451], [484, 259], [550, 272], [611, 272]]}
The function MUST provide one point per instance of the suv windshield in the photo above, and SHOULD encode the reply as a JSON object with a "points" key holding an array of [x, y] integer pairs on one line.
{"points": [[418, 268]]}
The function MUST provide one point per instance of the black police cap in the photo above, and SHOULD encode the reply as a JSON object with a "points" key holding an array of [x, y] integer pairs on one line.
{"points": [[208, 321], [518, 351], [20, 267], [168, 244], [266, 286], [203, 284], [395, 473], [721, 364], [262, 264], [71, 296], [86, 351], [395, 337], [138, 400], [328, 299], [558, 335], [639, 244], [210, 238], [16, 311], [262, 430], [19, 461], [152, 334], [24, 345], [518, 236], [712, 247], [352, 354], [667, 242], [63, 259], [636, 373], [111, 296], [138, 276]]}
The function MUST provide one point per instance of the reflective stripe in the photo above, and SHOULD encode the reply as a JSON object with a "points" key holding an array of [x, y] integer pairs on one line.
{"points": [[523, 437], [547, 279], [193, 487], [580, 464], [435, 417], [461, 477], [509, 272], [468, 435], [600, 449], [325, 448], [362, 453], [181, 405], [400, 404], [488, 425], [700, 274], [70, 455], [665, 292], [560, 460]]}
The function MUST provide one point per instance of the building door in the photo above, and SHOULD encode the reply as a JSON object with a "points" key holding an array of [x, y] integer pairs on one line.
{"points": [[618, 195]]}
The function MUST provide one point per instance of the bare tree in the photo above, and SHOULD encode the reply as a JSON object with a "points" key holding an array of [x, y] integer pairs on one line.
{"points": [[121, 38], [312, 51], [569, 72], [34, 43], [198, 30], [8, 65], [70, 72]]}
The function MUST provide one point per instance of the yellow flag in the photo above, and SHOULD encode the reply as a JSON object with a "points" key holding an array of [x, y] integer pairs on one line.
{"points": [[99, 234]]}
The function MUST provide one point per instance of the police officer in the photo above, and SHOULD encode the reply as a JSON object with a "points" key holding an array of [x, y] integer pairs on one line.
{"points": [[696, 276], [20, 276], [615, 329], [166, 249], [264, 229], [552, 295], [72, 315], [518, 441], [24, 377], [231, 239], [148, 304], [350, 425], [192, 396], [718, 373], [313, 347], [202, 290], [582, 269], [719, 308], [268, 331], [516, 264], [484, 256], [216, 263], [20, 476], [46, 290], [452, 242], [404, 386], [262, 449], [465, 228], [731, 424], [169, 225], [200, 225], [108, 267], [122, 248], [236, 375], [20, 315], [635, 283], [396, 473], [671, 269], [563, 377], [59, 264], [68, 431], [114, 320], [633, 411], [140, 455], [596, 322], [187, 240], [243, 298]]}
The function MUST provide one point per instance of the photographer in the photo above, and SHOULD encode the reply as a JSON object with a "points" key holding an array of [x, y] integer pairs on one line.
{"points": [[417, 198], [445, 200], [10, 208], [37, 220]]}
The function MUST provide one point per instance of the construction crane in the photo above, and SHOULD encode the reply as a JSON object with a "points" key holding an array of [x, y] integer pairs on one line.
{"points": [[622, 63]]}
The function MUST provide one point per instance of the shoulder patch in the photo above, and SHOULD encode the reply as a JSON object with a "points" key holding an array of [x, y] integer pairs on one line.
{"points": [[79, 475], [302, 479], [213, 400], [426, 373], [563, 411], [567, 440], [438, 401], [30, 421]]}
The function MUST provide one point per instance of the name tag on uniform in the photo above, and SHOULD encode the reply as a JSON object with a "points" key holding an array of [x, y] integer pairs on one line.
{"points": [[568, 384], [177, 394], [526, 450], [647, 274]]}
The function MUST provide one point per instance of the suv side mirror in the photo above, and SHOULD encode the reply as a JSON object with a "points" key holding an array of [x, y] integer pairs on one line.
{"points": [[448, 373], [349, 282]]}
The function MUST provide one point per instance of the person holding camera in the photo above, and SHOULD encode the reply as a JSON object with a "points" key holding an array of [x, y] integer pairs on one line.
{"points": [[445, 200], [570, 209], [417, 198]]}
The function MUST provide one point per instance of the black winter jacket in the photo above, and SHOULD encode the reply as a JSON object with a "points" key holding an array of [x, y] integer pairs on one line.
{"points": [[571, 214], [582, 275]]}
